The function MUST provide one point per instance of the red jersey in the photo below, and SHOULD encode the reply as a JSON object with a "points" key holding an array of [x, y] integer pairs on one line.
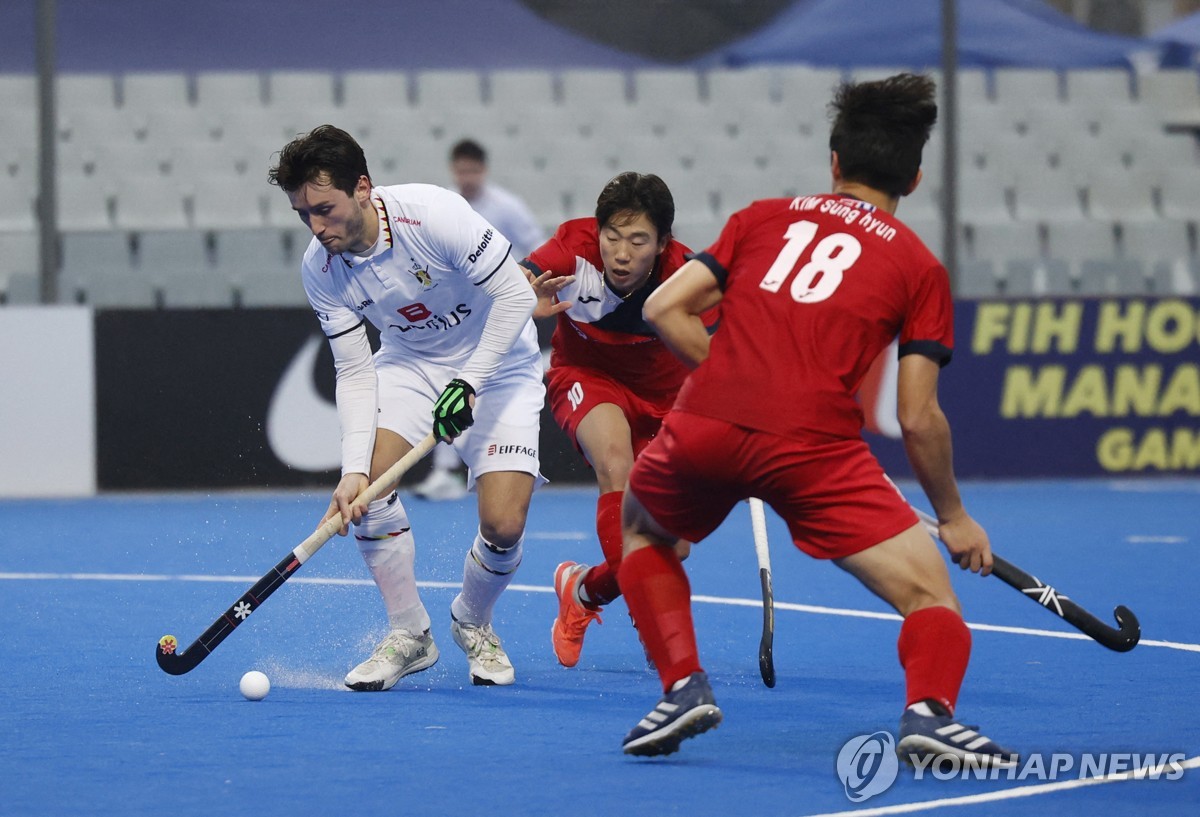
{"points": [[604, 330], [814, 289]]}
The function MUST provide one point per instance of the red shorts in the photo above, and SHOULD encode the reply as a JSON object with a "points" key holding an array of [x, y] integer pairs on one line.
{"points": [[834, 496], [575, 390]]}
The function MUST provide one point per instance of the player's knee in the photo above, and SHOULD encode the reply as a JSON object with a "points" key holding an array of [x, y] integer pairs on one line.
{"points": [[496, 557], [612, 466], [505, 531]]}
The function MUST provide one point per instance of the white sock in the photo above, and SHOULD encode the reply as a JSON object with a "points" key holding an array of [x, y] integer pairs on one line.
{"points": [[486, 572], [387, 546], [922, 709]]}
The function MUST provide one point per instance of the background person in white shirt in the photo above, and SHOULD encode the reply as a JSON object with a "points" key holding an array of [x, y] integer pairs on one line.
{"points": [[512, 217], [458, 354]]}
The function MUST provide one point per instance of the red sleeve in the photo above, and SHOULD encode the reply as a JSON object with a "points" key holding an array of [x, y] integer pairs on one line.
{"points": [[557, 255], [929, 322], [719, 256]]}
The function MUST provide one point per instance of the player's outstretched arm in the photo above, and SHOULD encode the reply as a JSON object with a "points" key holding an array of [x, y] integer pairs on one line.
{"points": [[674, 311], [926, 433]]}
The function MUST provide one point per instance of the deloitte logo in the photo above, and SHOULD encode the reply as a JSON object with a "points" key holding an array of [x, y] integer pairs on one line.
{"points": [[867, 765]]}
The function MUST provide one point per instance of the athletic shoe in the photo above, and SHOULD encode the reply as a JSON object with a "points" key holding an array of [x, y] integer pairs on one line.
{"points": [[400, 653], [441, 486], [937, 733], [682, 713], [566, 634], [486, 659]]}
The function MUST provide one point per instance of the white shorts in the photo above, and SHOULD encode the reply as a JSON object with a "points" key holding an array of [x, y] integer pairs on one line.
{"points": [[504, 436]]}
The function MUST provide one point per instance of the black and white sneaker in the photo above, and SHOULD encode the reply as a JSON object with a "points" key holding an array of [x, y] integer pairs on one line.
{"points": [[682, 713], [928, 729]]}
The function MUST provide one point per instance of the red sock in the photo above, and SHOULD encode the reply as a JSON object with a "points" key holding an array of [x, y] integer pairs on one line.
{"points": [[600, 582], [935, 646], [660, 601]]}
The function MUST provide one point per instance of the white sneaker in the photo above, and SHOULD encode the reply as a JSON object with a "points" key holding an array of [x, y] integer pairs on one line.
{"points": [[487, 660], [400, 653], [441, 486]]}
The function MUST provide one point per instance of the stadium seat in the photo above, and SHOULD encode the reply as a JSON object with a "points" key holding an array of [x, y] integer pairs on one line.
{"points": [[375, 90], [594, 89], [1046, 195], [1082, 258], [145, 93], [653, 87], [1180, 192], [228, 201], [301, 89], [1098, 86], [1171, 97], [1021, 86], [272, 289], [223, 90], [1162, 250], [19, 271], [447, 90], [89, 90], [1010, 252], [1121, 195], [807, 87], [735, 88], [145, 202], [983, 197], [18, 191], [18, 92], [84, 202], [241, 253], [521, 89]]}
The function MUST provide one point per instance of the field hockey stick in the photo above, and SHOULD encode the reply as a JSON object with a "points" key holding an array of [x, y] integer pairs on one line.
{"points": [[167, 650], [1122, 638], [758, 524]]}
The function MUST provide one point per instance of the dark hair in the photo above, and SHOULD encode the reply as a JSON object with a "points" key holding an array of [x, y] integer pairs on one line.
{"points": [[880, 128], [324, 149], [468, 149], [637, 193]]}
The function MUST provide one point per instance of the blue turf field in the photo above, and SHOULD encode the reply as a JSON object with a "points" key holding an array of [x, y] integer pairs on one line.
{"points": [[92, 726]]}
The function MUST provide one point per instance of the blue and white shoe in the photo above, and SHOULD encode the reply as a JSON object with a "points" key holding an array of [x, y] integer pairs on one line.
{"points": [[926, 729], [682, 713]]}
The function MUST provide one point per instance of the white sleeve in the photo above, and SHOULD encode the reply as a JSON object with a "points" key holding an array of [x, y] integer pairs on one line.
{"points": [[356, 395], [512, 305]]}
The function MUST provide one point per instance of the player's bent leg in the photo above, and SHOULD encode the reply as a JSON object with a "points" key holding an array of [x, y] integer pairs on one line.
{"points": [[488, 569], [386, 543], [574, 616], [908, 572]]}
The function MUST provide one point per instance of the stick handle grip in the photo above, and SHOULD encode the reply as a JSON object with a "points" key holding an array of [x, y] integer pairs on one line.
{"points": [[331, 526]]}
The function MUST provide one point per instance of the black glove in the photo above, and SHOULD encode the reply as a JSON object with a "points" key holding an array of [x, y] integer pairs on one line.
{"points": [[452, 411]]}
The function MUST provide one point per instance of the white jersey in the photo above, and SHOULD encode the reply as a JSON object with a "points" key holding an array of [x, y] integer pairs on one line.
{"points": [[511, 216], [421, 284]]}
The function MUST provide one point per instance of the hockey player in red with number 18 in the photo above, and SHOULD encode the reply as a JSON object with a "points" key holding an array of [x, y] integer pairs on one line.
{"points": [[811, 290], [611, 380]]}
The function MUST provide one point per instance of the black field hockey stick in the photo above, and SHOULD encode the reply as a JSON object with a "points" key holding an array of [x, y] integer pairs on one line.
{"points": [[167, 650], [1122, 638], [758, 524]]}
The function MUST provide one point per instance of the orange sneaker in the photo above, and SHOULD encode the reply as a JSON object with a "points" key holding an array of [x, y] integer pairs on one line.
{"points": [[573, 618]]}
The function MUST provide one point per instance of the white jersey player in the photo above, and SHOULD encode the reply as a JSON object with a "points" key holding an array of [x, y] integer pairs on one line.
{"points": [[458, 354]]}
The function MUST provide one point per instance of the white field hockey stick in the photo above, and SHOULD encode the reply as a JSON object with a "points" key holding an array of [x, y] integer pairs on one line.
{"points": [[167, 649], [758, 524]]}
